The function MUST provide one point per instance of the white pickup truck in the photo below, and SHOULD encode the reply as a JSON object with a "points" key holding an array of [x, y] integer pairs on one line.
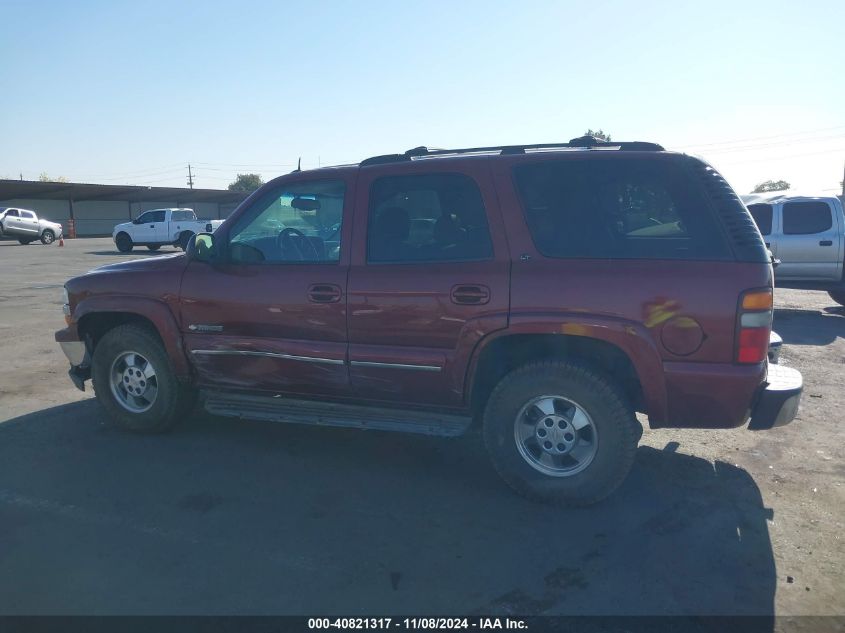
{"points": [[159, 227], [806, 234]]}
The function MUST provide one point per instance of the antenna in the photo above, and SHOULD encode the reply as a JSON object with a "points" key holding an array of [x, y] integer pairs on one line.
{"points": [[299, 164]]}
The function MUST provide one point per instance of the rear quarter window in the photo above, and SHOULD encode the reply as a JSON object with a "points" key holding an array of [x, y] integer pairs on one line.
{"points": [[619, 209]]}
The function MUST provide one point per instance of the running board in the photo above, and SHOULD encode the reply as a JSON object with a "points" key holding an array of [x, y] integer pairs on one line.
{"points": [[335, 414]]}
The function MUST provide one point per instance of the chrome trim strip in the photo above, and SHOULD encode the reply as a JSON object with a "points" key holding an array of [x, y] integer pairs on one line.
{"points": [[367, 363], [238, 352]]}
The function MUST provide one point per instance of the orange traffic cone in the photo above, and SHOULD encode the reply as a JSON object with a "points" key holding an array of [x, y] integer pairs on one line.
{"points": [[62, 240]]}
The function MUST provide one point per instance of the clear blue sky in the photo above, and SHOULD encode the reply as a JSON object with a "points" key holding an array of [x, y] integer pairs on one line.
{"points": [[121, 92]]}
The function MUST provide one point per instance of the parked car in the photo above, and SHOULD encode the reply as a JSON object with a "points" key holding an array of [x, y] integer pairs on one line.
{"points": [[159, 227], [807, 235], [27, 227], [552, 293]]}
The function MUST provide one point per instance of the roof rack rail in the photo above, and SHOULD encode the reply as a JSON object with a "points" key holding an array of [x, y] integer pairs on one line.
{"points": [[587, 142]]}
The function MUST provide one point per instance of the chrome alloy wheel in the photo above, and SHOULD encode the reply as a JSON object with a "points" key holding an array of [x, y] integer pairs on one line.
{"points": [[555, 436], [133, 382]]}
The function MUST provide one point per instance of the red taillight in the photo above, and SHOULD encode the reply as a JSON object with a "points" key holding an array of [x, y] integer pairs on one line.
{"points": [[755, 325]]}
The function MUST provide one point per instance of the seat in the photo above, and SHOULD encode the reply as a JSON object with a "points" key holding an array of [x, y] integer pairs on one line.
{"points": [[389, 236]]}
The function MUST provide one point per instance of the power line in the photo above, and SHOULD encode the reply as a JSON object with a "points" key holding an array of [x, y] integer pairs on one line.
{"points": [[763, 138]]}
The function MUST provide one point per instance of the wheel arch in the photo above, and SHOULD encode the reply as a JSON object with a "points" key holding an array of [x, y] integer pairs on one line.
{"points": [[615, 349], [95, 318]]}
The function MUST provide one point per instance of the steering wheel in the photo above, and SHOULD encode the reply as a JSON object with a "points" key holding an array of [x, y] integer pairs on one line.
{"points": [[285, 242]]}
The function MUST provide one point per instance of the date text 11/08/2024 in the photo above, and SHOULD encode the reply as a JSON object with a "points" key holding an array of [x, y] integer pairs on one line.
{"points": [[481, 623]]}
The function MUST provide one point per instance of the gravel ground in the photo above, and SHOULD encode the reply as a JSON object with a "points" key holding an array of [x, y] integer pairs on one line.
{"points": [[239, 517]]}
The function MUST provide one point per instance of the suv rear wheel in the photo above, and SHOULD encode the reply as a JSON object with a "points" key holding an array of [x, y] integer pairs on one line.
{"points": [[133, 380], [558, 431]]}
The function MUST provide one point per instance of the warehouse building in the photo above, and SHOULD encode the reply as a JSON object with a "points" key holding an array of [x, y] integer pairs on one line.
{"points": [[96, 209]]}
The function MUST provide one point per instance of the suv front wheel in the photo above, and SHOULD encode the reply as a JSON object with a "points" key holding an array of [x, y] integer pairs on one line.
{"points": [[133, 380], [559, 431]]}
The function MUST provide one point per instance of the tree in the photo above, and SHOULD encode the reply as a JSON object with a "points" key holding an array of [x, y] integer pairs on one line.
{"points": [[246, 182], [599, 134], [771, 185], [44, 177]]}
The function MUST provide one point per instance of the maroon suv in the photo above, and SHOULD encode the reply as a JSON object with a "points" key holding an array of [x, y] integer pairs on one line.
{"points": [[545, 292]]}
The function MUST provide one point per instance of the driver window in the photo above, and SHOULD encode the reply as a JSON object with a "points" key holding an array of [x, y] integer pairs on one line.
{"points": [[297, 222]]}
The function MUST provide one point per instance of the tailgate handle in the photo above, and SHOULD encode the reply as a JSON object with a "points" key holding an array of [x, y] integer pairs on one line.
{"points": [[470, 294], [324, 293], [826, 243]]}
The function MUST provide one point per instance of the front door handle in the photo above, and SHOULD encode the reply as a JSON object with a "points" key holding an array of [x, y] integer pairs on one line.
{"points": [[324, 293], [826, 243], [470, 294]]}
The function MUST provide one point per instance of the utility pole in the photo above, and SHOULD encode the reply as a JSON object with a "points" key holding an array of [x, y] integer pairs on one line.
{"points": [[843, 182], [190, 177]]}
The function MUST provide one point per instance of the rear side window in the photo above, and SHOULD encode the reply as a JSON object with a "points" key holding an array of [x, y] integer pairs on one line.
{"points": [[762, 214], [12, 213], [620, 208], [804, 218], [427, 218], [181, 216]]}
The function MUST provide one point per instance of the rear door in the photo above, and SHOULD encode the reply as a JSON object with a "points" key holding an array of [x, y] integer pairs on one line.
{"points": [[808, 245], [12, 221], [271, 314], [429, 279]]}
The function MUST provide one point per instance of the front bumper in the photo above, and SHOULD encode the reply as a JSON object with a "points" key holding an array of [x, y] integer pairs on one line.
{"points": [[777, 402], [77, 353]]}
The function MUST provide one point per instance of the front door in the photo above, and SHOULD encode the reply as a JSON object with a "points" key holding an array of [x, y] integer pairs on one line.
{"points": [[270, 313], [429, 279], [29, 223], [149, 227]]}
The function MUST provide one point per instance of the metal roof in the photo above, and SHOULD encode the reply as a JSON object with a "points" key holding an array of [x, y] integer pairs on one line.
{"points": [[79, 192]]}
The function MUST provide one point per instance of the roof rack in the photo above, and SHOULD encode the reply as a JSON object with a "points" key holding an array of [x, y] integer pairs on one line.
{"points": [[582, 142]]}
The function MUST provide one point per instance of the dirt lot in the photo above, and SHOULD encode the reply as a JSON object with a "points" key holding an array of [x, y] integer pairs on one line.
{"points": [[237, 517]]}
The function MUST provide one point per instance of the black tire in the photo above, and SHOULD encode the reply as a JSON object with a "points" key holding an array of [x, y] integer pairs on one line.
{"points": [[123, 242], [153, 247], [47, 237], [172, 402], [838, 296], [24, 240], [185, 239], [612, 417]]}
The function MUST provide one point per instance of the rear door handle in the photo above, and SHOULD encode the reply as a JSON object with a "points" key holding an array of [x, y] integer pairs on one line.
{"points": [[470, 294], [826, 243], [324, 293]]}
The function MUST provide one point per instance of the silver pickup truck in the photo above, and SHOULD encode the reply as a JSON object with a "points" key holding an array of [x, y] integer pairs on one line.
{"points": [[26, 226], [807, 235]]}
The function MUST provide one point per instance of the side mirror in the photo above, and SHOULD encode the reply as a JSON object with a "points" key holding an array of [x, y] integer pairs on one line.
{"points": [[136, 221], [201, 248]]}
